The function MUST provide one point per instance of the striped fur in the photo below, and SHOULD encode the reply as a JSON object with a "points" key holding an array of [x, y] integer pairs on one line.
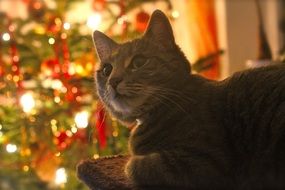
{"points": [[195, 133]]}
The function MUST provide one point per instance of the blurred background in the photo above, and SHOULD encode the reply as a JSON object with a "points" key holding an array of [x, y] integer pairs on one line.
{"points": [[50, 116]]}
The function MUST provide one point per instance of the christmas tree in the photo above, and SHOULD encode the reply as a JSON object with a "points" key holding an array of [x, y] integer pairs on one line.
{"points": [[50, 115]]}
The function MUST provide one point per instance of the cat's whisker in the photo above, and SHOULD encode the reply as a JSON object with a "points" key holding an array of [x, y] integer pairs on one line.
{"points": [[173, 102], [167, 93], [163, 93], [168, 90], [173, 92], [161, 96]]}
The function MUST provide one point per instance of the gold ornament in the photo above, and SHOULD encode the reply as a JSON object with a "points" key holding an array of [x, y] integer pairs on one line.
{"points": [[45, 162], [84, 65]]}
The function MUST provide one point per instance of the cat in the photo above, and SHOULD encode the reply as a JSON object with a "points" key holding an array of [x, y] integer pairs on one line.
{"points": [[192, 132]]}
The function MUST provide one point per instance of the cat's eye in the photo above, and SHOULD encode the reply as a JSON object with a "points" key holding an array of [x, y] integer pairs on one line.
{"points": [[107, 69], [138, 61]]}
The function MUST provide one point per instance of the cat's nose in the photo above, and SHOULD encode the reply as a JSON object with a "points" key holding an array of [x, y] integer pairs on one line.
{"points": [[114, 82]]}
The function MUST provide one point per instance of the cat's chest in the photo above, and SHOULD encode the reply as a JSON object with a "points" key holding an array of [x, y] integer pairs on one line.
{"points": [[157, 137]]}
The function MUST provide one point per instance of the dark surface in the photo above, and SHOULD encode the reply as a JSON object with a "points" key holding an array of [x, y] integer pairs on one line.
{"points": [[104, 173], [107, 173]]}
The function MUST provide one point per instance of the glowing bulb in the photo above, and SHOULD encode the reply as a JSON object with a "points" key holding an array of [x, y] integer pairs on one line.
{"points": [[81, 119], [66, 26], [11, 148], [69, 133], [96, 156], [51, 41], [60, 176], [27, 101], [175, 14], [56, 99], [6, 36], [73, 129], [122, 20], [57, 154], [56, 84], [71, 69], [94, 21], [26, 168]]}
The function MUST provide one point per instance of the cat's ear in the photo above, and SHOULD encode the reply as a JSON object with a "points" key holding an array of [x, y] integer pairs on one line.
{"points": [[103, 44], [159, 29]]}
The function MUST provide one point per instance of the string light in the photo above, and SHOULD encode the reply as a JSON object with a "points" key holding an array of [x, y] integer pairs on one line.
{"points": [[79, 69], [11, 148], [94, 21], [72, 69], [28, 103], [96, 156], [56, 84], [66, 26], [175, 14], [81, 119], [60, 176], [51, 41], [115, 133], [74, 90], [1, 133], [57, 154], [63, 36], [69, 133], [26, 168], [73, 129], [57, 99], [63, 89], [16, 58], [6, 36], [53, 123], [122, 20]]}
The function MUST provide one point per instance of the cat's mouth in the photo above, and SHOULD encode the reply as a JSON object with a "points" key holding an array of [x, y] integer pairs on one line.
{"points": [[120, 104], [125, 104], [121, 95]]}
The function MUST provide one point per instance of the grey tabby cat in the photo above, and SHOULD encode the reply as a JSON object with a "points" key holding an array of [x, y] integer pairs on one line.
{"points": [[193, 132]]}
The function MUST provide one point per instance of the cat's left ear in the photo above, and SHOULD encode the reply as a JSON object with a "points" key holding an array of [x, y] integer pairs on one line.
{"points": [[103, 44], [159, 29]]}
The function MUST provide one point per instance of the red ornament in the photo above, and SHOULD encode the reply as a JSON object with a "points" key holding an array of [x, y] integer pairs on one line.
{"points": [[98, 5], [54, 24], [101, 125], [62, 140], [51, 68], [66, 63], [36, 8], [1, 71], [142, 21], [80, 135], [73, 93]]}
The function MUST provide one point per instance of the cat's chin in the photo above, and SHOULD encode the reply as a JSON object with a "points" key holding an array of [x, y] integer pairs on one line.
{"points": [[125, 105], [123, 112], [120, 107]]}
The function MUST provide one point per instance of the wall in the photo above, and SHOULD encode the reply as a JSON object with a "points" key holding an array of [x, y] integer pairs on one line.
{"points": [[238, 31]]}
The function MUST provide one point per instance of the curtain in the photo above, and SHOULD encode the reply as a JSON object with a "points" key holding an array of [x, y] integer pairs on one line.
{"points": [[203, 33]]}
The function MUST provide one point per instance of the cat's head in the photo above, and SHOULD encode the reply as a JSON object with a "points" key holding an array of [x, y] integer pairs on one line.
{"points": [[135, 77]]}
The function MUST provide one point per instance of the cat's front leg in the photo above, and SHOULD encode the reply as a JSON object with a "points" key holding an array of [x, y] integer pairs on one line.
{"points": [[148, 170]]}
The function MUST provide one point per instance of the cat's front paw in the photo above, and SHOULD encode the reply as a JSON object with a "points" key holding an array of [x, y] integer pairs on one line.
{"points": [[132, 167], [141, 170]]}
